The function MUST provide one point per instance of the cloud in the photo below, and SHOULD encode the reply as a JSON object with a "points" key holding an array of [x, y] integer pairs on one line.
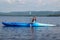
{"points": [[30, 4], [45, 2], [10, 1], [22, 1], [15, 1], [38, 2]]}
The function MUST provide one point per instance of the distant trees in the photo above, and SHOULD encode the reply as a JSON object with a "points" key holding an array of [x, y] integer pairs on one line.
{"points": [[33, 13]]}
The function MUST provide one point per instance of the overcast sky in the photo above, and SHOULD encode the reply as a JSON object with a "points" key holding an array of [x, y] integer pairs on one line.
{"points": [[29, 5]]}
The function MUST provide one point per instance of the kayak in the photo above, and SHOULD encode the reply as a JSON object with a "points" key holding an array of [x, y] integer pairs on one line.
{"points": [[34, 24]]}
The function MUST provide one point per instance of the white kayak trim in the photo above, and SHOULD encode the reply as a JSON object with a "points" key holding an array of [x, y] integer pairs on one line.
{"points": [[43, 24]]}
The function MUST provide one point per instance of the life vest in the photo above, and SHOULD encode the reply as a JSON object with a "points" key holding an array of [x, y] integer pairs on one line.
{"points": [[34, 19]]}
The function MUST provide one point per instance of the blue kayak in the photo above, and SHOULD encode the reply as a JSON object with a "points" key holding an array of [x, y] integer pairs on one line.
{"points": [[34, 24]]}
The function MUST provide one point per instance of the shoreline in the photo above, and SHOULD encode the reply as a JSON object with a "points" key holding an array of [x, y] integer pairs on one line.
{"points": [[34, 15]]}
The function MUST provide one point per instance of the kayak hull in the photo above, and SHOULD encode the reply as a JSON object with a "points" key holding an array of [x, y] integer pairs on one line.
{"points": [[36, 24], [16, 24]]}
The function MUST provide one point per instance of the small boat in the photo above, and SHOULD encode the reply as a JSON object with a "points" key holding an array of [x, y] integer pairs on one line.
{"points": [[34, 24]]}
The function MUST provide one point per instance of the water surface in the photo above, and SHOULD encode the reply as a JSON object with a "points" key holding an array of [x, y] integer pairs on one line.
{"points": [[27, 33]]}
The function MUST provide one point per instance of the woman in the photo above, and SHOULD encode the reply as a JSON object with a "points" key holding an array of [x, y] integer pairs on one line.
{"points": [[34, 19], [32, 29]]}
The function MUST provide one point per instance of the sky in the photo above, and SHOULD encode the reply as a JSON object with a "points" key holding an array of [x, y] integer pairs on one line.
{"points": [[29, 5]]}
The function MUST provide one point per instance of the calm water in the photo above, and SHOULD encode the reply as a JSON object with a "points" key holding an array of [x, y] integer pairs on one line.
{"points": [[26, 33]]}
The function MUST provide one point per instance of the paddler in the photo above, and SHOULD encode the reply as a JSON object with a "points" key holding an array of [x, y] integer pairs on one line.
{"points": [[34, 19]]}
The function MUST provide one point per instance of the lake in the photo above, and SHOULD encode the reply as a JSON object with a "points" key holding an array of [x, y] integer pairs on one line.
{"points": [[26, 33]]}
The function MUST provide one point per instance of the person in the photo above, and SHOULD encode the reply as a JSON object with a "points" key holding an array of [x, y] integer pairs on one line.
{"points": [[34, 19], [32, 29]]}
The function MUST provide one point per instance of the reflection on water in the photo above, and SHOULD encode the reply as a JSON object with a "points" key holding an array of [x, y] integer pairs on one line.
{"points": [[29, 33], [26, 33]]}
